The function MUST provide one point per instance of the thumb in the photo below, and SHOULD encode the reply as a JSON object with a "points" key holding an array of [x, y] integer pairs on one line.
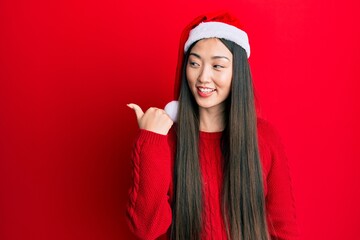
{"points": [[138, 111]]}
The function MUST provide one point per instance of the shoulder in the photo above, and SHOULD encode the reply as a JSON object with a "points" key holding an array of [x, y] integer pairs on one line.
{"points": [[265, 128], [270, 145], [267, 134]]}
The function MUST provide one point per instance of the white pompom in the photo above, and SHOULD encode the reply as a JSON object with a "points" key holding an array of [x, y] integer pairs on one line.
{"points": [[172, 110]]}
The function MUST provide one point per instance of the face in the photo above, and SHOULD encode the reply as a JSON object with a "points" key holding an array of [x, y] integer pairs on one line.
{"points": [[209, 73]]}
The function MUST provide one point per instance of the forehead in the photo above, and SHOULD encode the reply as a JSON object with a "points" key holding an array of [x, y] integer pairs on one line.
{"points": [[211, 47]]}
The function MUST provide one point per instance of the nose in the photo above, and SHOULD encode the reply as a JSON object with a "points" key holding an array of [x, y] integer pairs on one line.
{"points": [[205, 75]]}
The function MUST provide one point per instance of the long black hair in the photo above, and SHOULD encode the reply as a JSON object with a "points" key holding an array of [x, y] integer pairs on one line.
{"points": [[243, 204]]}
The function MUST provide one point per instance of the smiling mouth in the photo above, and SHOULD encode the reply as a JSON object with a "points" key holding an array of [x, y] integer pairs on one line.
{"points": [[206, 90]]}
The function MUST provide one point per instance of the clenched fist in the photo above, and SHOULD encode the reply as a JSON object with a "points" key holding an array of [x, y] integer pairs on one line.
{"points": [[154, 119]]}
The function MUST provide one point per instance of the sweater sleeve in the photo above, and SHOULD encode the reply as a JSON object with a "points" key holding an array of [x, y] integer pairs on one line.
{"points": [[149, 213], [280, 207]]}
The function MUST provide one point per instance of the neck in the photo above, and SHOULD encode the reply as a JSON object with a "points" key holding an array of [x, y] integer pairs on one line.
{"points": [[212, 120]]}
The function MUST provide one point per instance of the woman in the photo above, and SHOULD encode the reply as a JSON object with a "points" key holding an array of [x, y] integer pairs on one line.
{"points": [[219, 172]]}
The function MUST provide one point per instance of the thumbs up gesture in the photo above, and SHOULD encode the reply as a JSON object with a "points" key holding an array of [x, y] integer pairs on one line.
{"points": [[154, 119]]}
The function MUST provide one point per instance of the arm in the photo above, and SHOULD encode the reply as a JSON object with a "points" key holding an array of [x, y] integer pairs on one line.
{"points": [[148, 212], [280, 204]]}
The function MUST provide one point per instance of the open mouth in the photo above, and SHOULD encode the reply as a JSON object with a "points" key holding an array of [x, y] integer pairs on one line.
{"points": [[205, 92]]}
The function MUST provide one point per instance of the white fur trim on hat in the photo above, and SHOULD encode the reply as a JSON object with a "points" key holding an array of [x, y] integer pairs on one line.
{"points": [[218, 30], [172, 110]]}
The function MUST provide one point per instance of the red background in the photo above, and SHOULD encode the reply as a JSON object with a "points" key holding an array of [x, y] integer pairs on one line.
{"points": [[68, 69]]}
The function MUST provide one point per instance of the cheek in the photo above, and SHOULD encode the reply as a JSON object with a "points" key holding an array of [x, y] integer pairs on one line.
{"points": [[190, 76], [225, 81]]}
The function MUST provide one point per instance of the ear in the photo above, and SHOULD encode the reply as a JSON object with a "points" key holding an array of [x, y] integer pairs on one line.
{"points": [[172, 110]]}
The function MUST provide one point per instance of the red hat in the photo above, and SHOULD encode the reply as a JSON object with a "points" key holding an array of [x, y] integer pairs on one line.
{"points": [[219, 25]]}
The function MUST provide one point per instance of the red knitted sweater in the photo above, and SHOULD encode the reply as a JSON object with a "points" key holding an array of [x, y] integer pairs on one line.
{"points": [[149, 208]]}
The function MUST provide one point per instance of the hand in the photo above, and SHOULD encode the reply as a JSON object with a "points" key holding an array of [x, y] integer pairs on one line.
{"points": [[154, 119]]}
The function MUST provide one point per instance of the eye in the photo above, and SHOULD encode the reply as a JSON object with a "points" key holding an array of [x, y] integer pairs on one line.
{"points": [[218, 66], [194, 64]]}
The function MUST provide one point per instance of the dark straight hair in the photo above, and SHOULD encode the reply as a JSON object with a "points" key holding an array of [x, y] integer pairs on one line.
{"points": [[243, 204]]}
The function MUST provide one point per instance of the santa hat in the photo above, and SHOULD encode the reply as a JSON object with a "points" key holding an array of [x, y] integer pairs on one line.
{"points": [[212, 25]]}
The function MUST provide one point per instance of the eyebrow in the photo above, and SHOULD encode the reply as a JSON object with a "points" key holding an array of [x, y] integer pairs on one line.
{"points": [[214, 57]]}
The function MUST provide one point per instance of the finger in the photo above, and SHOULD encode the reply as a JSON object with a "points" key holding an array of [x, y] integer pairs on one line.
{"points": [[138, 111]]}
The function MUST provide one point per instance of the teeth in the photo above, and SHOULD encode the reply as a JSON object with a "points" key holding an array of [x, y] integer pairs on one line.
{"points": [[206, 90]]}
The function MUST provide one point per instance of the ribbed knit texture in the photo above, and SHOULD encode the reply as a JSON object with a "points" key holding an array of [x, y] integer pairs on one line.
{"points": [[149, 208]]}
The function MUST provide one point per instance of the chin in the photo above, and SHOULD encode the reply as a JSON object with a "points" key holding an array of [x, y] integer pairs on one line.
{"points": [[206, 105], [210, 103]]}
